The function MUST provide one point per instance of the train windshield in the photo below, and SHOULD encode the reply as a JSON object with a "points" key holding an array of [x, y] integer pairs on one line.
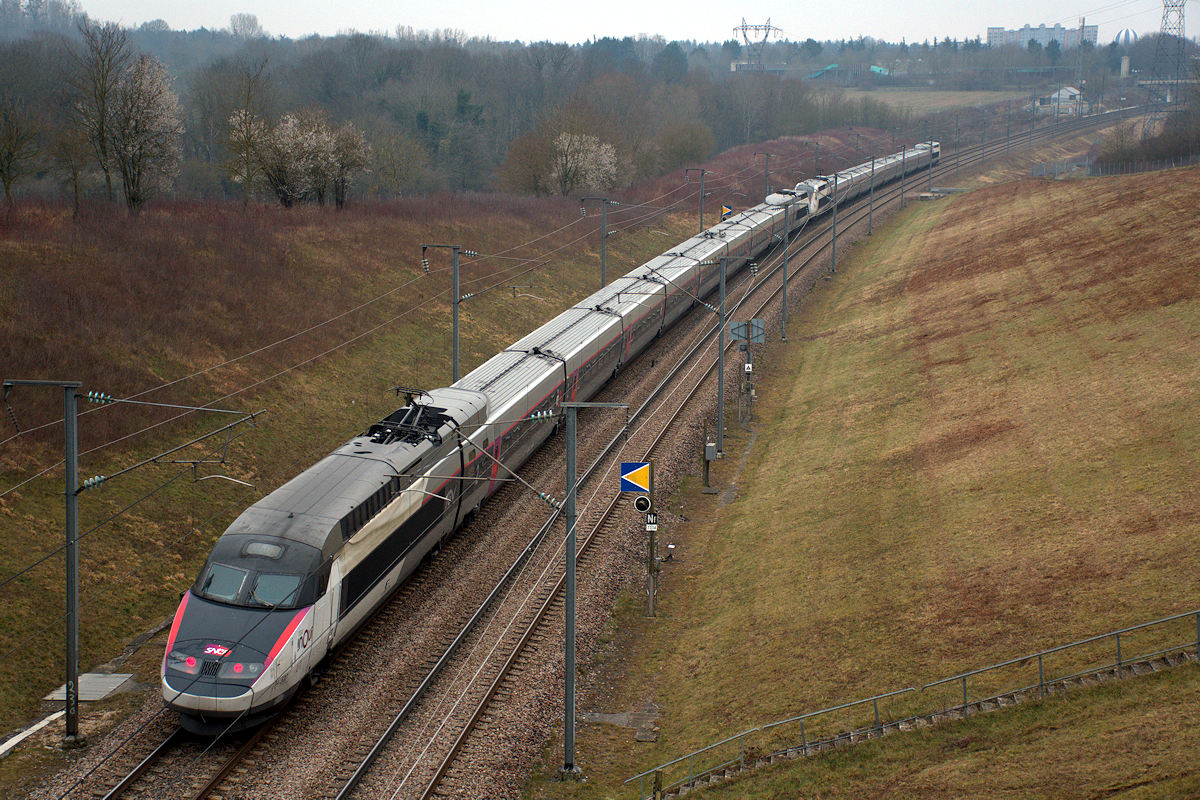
{"points": [[259, 573], [275, 590], [223, 582]]}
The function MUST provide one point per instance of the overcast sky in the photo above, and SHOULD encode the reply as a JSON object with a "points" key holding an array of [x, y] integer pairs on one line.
{"points": [[702, 20]]}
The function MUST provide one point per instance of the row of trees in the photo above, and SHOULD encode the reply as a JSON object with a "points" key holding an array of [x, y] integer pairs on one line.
{"points": [[115, 120], [300, 158], [112, 112], [441, 111]]}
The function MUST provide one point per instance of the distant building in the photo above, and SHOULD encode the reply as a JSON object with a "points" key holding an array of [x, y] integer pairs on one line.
{"points": [[1067, 38], [1126, 38], [1066, 102]]}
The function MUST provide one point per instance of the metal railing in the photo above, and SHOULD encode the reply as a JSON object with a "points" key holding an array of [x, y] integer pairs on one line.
{"points": [[1121, 660], [755, 743], [1131, 167], [1090, 168]]}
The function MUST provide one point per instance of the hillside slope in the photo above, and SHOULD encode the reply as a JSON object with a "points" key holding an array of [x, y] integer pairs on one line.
{"points": [[981, 440]]}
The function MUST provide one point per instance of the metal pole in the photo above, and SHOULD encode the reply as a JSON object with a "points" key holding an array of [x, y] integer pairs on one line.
{"points": [[71, 736], [721, 368], [1008, 126], [816, 159], [903, 175], [72, 499], [956, 147], [569, 694], [930, 187], [835, 206], [871, 203], [653, 571], [702, 201], [454, 312], [930, 163], [787, 241], [604, 237], [766, 173]]}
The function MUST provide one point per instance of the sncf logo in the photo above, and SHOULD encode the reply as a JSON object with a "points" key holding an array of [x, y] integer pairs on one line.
{"points": [[216, 650]]}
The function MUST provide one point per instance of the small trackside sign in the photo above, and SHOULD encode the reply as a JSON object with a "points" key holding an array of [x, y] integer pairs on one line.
{"points": [[635, 476], [651, 522]]}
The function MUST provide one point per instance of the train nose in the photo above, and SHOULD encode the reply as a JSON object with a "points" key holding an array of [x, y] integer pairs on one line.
{"points": [[202, 663]]}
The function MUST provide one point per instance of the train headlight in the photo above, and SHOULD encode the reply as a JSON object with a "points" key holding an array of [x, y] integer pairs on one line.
{"points": [[241, 670], [181, 662]]}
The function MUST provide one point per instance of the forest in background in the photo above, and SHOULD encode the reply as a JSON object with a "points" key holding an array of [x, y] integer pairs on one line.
{"points": [[400, 113]]}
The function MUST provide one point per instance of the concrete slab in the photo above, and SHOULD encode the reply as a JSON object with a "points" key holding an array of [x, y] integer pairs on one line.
{"points": [[93, 686]]}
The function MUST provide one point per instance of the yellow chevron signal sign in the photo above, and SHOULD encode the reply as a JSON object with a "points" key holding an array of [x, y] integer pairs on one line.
{"points": [[636, 476]]}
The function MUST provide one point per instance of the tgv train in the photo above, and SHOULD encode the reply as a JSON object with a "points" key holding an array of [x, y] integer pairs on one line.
{"points": [[300, 570], [817, 194]]}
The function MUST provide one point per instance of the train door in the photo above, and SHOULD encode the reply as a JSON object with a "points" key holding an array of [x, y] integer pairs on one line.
{"points": [[333, 594]]}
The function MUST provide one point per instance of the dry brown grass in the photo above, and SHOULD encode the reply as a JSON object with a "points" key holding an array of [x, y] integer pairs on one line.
{"points": [[127, 305], [923, 101]]}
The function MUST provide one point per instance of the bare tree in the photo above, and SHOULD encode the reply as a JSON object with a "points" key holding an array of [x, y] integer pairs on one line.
{"points": [[398, 160], [351, 154], [146, 129], [70, 159], [246, 26], [18, 145], [247, 132], [528, 164], [98, 71]]}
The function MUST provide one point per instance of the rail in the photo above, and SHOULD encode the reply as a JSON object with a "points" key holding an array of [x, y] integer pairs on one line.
{"points": [[1043, 684]]}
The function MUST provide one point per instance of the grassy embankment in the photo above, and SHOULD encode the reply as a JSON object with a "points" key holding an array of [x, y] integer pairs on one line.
{"points": [[925, 101], [981, 441]]}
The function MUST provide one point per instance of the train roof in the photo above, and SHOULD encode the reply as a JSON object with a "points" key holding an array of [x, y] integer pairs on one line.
{"points": [[309, 507]]}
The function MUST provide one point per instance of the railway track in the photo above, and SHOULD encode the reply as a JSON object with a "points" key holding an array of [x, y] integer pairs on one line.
{"points": [[513, 655], [518, 662]]}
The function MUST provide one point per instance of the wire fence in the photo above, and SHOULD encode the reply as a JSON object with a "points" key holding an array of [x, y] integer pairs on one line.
{"points": [[1033, 675], [1088, 167]]}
